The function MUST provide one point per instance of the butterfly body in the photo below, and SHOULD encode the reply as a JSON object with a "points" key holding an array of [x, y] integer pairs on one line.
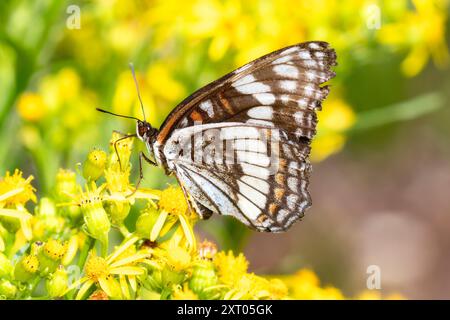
{"points": [[240, 145]]}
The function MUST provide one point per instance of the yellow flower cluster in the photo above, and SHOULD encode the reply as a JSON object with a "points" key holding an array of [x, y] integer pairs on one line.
{"points": [[159, 257]]}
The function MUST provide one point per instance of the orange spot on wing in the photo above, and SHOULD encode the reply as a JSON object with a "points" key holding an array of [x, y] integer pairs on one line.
{"points": [[196, 116]]}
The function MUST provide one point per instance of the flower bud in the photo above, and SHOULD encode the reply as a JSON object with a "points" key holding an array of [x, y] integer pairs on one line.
{"points": [[26, 268], [95, 218], [203, 277], [5, 266], [94, 166], [36, 248], [7, 289], [145, 222], [171, 277], [50, 255], [118, 210], [57, 284]]}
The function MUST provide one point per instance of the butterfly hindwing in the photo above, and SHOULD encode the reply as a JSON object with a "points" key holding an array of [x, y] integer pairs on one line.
{"points": [[261, 178]]}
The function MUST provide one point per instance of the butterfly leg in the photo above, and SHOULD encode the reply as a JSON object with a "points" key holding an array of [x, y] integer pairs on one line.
{"points": [[127, 136], [199, 209], [141, 175]]}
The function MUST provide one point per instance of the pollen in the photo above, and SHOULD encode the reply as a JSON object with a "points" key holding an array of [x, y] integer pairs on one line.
{"points": [[173, 201], [96, 267]]}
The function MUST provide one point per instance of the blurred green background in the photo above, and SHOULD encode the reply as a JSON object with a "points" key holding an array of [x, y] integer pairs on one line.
{"points": [[382, 156]]}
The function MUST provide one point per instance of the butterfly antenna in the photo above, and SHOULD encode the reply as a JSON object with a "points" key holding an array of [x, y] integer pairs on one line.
{"points": [[137, 89], [116, 114]]}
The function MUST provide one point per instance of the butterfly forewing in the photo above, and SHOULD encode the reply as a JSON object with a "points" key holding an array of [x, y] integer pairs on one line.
{"points": [[261, 116]]}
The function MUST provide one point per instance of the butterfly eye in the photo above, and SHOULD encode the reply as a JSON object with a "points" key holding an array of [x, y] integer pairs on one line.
{"points": [[141, 129]]}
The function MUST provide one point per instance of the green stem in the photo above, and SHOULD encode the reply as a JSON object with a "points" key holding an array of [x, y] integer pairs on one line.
{"points": [[90, 242], [34, 284]]}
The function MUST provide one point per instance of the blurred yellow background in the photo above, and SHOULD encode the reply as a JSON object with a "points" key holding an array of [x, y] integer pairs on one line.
{"points": [[382, 156]]}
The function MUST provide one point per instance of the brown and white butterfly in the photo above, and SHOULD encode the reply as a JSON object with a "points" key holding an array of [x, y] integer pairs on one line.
{"points": [[271, 99]]}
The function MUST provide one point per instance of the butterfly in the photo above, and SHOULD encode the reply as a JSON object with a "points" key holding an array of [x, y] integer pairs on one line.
{"points": [[240, 145]]}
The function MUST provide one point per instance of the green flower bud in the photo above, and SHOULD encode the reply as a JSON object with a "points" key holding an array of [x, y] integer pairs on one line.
{"points": [[5, 266], [57, 284], [145, 222], [203, 277], [94, 166], [118, 210], [7, 289], [26, 268], [36, 248], [95, 218], [51, 255], [171, 277]]}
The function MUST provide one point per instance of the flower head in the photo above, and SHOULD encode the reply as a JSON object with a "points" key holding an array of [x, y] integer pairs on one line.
{"points": [[230, 268], [15, 190]]}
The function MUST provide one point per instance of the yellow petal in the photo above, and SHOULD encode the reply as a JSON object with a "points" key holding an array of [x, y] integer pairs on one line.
{"points": [[127, 270], [110, 286], [121, 249], [158, 225], [132, 280], [188, 232], [2, 244], [152, 264], [76, 284], [129, 260], [10, 194], [15, 214], [84, 288], [26, 228], [124, 287]]}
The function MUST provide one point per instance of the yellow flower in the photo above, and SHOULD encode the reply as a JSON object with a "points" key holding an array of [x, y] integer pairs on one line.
{"points": [[173, 202], [116, 273], [230, 268], [15, 190], [422, 31], [251, 286], [31, 107], [306, 285]]}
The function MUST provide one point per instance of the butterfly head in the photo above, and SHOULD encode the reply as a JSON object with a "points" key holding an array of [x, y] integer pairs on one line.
{"points": [[145, 131]]}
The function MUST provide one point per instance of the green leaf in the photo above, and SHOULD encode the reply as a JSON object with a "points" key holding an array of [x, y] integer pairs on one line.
{"points": [[402, 111]]}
